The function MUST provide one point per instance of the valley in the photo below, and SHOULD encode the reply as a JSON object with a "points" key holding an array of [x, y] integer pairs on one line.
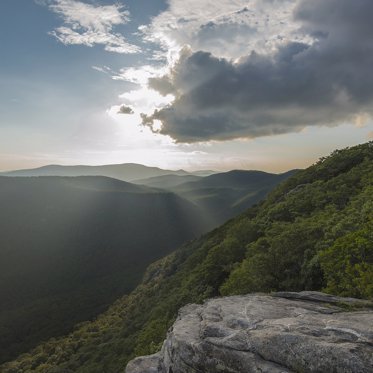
{"points": [[312, 232], [71, 245]]}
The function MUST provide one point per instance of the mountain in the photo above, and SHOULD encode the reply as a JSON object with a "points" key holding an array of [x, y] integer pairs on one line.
{"points": [[204, 173], [124, 172], [70, 246], [314, 231], [220, 195], [225, 195], [166, 181]]}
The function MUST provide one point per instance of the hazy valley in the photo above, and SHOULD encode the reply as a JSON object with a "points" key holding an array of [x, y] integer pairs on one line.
{"points": [[71, 245]]}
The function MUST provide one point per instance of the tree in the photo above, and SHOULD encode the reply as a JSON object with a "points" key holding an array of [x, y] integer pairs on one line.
{"points": [[348, 264]]}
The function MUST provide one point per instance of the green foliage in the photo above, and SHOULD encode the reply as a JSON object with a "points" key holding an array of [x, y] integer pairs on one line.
{"points": [[275, 261], [293, 253], [348, 264], [313, 232]]}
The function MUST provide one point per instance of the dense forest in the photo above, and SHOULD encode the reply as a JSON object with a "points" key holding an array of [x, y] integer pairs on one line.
{"points": [[313, 232]]}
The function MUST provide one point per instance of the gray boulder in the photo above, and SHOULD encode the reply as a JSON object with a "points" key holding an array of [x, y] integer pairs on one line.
{"points": [[283, 332]]}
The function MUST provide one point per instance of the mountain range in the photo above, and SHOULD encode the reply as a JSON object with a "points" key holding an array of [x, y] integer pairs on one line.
{"points": [[124, 172], [225, 195], [312, 232], [220, 196], [71, 245]]}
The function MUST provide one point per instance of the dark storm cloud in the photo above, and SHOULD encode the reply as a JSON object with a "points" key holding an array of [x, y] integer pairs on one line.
{"points": [[323, 83], [125, 110]]}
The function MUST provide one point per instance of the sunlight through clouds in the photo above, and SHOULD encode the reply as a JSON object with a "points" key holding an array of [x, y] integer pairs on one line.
{"points": [[200, 79]]}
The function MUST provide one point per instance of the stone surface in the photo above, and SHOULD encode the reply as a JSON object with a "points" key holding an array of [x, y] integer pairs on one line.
{"points": [[283, 332]]}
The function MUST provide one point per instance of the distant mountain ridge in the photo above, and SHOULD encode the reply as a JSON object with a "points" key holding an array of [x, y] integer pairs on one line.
{"points": [[236, 179], [221, 195], [225, 195], [167, 181], [124, 172]]}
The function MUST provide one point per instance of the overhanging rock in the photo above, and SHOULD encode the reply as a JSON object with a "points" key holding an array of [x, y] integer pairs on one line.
{"points": [[283, 332]]}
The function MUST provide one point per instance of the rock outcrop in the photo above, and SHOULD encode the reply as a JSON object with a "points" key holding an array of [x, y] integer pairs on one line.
{"points": [[283, 332]]}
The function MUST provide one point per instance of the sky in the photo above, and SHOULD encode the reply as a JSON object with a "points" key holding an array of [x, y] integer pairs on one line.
{"points": [[193, 84]]}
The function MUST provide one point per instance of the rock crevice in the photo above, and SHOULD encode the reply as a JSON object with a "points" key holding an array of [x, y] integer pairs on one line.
{"points": [[283, 332]]}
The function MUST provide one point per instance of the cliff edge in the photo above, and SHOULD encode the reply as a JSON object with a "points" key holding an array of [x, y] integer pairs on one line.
{"points": [[282, 332]]}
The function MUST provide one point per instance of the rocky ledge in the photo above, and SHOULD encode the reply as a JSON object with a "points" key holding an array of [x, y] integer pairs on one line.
{"points": [[282, 332]]}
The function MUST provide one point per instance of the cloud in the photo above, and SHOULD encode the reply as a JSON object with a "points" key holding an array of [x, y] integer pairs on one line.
{"points": [[324, 79], [125, 110], [226, 28], [139, 76], [87, 24], [143, 100], [103, 69]]}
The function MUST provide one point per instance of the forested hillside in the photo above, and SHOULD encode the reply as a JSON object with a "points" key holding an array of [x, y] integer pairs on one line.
{"points": [[313, 232], [70, 246]]}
